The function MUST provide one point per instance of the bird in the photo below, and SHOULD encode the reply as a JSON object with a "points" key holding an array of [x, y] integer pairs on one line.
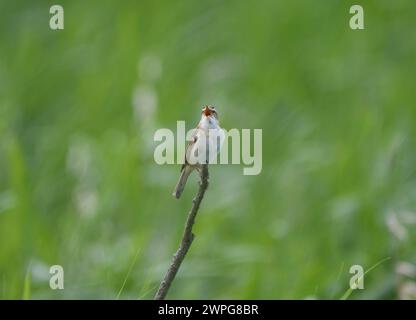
{"points": [[209, 131]]}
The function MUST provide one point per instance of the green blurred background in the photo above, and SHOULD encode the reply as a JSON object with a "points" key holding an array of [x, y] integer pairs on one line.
{"points": [[79, 186]]}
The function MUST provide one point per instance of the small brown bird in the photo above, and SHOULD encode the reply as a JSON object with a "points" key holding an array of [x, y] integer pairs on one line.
{"points": [[208, 130]]}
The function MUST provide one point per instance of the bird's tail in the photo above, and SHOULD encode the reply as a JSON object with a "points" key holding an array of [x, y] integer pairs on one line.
{"points": [[182, 181]]}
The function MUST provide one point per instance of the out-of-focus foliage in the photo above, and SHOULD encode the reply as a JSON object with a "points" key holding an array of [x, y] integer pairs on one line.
{"points": [[79, 186]]}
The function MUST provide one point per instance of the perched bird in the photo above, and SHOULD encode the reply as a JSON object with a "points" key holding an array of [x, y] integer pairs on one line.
{"points": [[207, 138]]}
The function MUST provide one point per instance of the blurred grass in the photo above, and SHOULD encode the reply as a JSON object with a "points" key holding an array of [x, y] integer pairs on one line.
{"points": [[79, 187]]}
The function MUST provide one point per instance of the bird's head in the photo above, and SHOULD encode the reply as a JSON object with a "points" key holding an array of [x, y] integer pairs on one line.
{"points": [[209, 111], [209, 117]]}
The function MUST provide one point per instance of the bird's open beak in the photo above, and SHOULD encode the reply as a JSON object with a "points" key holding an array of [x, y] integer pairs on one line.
{"points": [[207, 111]]}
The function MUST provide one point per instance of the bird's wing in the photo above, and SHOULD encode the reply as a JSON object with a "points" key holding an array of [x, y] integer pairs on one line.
{"points": [[191, 142]]}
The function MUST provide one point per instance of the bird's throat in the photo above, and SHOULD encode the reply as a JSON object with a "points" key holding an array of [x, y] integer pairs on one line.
{"points": [[208, 123]]}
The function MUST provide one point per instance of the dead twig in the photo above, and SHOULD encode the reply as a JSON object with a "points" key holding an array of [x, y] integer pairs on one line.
{"points": [[187, 237]]}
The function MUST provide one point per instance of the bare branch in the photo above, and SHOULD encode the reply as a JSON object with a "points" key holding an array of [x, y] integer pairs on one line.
{"points": [[187, 237]]}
